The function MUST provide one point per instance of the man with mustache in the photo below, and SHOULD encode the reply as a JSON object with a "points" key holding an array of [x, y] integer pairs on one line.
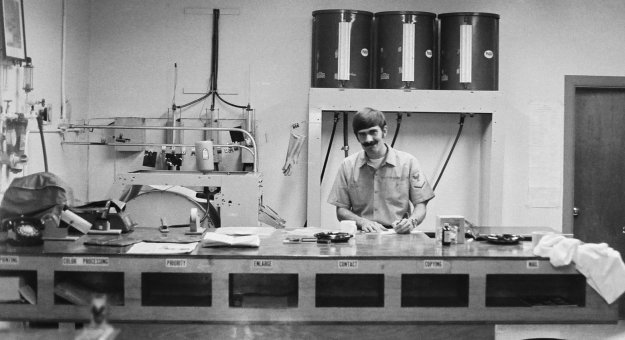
{"points": [[377, 186]]}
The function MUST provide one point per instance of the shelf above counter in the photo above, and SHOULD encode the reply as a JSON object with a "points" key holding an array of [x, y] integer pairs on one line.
{"points": [[487, 105], [443, 101]]}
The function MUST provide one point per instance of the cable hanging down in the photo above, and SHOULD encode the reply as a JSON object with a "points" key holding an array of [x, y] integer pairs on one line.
{"points": [[396, 129], [325, 162], [213, 93], [461, 123]]}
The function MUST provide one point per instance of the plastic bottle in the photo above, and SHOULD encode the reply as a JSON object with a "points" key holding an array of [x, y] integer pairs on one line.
{"points": [[446, 235]]}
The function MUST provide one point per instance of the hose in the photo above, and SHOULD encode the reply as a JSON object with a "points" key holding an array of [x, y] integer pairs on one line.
{"points": [[43, 141], [214, 72], [233, 105], [396, 129], [325, 162], [461, 123]]}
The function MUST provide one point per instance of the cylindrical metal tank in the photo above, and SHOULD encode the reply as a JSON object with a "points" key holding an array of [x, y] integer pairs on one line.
{"points": [[341, 48], [405, 50], [469, 51]]}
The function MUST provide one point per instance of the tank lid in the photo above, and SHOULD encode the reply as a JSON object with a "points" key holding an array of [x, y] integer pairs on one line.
{"points": [[428, 14], [335, 11], [472, 14]]}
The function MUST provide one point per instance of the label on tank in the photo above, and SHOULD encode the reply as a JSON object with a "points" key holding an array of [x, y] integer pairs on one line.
{"points": [[364, 52], [428, 53], [489, 54]]}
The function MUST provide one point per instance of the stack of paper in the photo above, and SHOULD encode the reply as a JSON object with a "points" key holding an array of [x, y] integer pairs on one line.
{"points": [[222, 240], [239, 231], [162, 248]]}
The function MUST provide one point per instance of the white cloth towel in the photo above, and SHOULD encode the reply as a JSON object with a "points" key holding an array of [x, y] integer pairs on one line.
{"points": [[602, 266], [559, 249]]}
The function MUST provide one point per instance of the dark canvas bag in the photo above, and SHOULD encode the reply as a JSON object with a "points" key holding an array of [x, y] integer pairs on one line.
{"points": [[35, 200]]}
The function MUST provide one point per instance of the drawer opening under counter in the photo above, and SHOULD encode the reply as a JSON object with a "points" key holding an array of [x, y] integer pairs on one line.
{"points": [[79, 288], [535, 290], [18, 287], [176, 289], [435, 290], [263, 290], [349, 290]]}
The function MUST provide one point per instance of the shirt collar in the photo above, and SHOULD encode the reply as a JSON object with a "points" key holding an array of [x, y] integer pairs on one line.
{"points": [[391, 157]]}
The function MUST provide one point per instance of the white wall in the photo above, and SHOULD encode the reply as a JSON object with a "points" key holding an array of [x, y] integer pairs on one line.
{"points": [[265, 58], [44, 35]]}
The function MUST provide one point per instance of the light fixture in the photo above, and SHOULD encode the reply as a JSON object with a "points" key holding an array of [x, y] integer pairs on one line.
{"points": [[28, 75]]}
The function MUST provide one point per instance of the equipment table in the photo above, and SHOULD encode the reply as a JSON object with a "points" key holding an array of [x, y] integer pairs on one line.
{"points": [[372, 278]]}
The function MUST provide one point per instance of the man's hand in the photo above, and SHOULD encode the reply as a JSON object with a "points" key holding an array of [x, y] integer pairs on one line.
{"points": [[404, 226], [371, 226]]}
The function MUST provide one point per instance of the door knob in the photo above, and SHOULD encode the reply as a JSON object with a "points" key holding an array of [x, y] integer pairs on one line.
{"points": [[575, 211]]}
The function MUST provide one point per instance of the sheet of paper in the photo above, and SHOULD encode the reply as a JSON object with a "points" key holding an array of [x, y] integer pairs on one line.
{"points": [[162, 248]]}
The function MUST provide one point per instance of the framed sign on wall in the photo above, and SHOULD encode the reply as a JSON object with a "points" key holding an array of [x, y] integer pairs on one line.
{"points": [[14, 39]]}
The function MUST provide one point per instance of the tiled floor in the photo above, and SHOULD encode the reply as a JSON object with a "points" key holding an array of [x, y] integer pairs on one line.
{"points": [[568, 332]]}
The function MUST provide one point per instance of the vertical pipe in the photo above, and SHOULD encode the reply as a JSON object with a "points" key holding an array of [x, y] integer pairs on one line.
{"points": [[63, 52], [214, 56], [345, 135]]}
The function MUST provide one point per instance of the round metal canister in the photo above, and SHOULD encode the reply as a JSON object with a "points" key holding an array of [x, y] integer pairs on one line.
{"points": [[469, 51], [342, 48], [405, 50]]}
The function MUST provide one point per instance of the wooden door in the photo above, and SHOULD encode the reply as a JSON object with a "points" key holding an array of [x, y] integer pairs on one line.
{"points": [[598, 160]]}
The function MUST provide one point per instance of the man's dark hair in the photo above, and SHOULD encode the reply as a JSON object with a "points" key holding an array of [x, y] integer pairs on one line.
{"points": [[368, 118]]}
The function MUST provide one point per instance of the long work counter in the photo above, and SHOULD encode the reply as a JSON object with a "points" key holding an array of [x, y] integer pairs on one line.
{"points": [[372, 278]]}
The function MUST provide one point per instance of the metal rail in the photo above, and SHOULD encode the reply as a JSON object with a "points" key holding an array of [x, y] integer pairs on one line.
{"points": [[252, 150]]}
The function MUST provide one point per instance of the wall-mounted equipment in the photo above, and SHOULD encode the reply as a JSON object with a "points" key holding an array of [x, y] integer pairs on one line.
{"points": [[134, 136], [342, 48], [405, 50], [28, 76], [13, 152], [469, 51]]}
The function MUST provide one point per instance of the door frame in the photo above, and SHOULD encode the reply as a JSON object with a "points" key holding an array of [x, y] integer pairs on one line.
{"points": [[571, 83]]}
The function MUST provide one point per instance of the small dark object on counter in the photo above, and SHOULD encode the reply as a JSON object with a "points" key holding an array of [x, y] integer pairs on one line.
{"points": [[503, 239], [333, 237]]}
